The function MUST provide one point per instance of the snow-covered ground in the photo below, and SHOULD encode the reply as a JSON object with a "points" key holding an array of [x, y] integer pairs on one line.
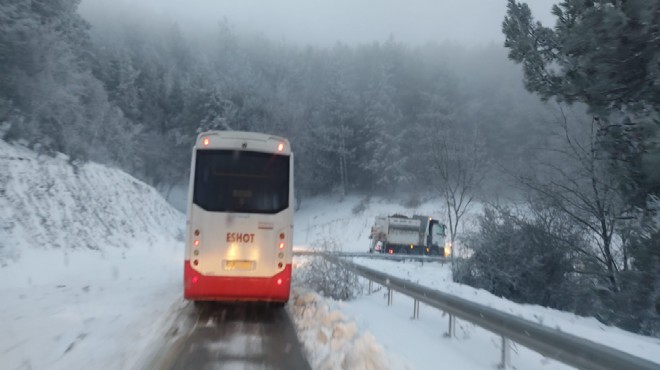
{"points": [[367, 334], [438, 276], [420, 344], [87, 310], [346, 223], [90, 277], [90, 264]]}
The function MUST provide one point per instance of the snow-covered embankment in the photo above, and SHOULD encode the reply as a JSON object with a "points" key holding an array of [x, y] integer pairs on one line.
{"points": [[90, 263]]}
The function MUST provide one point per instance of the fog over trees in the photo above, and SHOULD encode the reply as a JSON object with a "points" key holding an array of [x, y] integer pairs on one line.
{"points": [[580, 154], [361, 118]]}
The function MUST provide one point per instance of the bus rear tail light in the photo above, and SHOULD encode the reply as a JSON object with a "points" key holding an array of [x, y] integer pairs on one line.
{"points": [[280, 265], [196, 243], [195, 279], [206, 141], [280, 147], [195, 262], [281, 245], [282, 235], [279, 281]]}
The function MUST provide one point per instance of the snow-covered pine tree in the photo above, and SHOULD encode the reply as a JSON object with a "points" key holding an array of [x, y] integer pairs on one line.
{"points": [[605, 54]]}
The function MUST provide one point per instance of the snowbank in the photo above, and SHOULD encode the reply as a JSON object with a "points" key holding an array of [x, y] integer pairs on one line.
{"points": [[330, 339], [90, 264], [47, 203]]}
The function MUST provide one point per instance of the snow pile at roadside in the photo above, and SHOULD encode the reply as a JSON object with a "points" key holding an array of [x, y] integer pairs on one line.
{"points": [[46, 202], [90, 264], [331, 340]]}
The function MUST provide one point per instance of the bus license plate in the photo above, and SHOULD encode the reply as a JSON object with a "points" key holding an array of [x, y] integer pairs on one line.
{"points": [[239, 265]]}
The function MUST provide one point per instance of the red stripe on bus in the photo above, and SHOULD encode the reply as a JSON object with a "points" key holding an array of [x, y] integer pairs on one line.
{"points": [[235, 288]]}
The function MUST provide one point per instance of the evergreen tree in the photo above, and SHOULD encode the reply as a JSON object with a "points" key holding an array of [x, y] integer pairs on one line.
{"points": [[605, 54]]}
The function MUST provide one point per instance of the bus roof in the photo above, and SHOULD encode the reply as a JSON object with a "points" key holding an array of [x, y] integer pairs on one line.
{"points": [[243, 140]]}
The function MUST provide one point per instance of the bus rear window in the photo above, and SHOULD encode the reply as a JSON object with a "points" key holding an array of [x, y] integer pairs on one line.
{"points": [[241, 181]]}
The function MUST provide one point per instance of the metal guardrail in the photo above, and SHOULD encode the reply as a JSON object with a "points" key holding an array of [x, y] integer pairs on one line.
{"points": [[564, 347], [383, 256]]}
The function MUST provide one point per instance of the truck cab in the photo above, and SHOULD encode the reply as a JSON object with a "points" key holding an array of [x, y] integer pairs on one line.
{"points": [[436, 238]]}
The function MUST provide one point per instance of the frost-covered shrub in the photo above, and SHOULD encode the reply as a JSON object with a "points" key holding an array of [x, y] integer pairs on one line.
{"points": [[327, 278], [541, 259], [522, 260]]}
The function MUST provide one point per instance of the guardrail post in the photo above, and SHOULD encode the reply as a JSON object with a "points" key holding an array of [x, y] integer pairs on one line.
{"points": [[371, 286], [416, 310], [451, 330], [389, 296], [506, 354]]}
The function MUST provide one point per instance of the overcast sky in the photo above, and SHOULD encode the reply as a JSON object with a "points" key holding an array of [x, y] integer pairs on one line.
{"points": [[324, 22]]}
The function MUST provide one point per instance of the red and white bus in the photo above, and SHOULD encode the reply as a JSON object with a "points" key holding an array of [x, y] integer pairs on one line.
{"points": [[240, 218]]}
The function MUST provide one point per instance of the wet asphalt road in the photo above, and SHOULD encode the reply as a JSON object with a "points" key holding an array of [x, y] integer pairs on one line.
{"points": [[238, 336]]}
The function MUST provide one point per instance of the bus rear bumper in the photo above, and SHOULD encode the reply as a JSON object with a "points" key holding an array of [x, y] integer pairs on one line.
{"points": [[198, 287]]}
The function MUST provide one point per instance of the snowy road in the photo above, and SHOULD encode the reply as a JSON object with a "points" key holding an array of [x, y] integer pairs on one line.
{"points": [[237, 336]]}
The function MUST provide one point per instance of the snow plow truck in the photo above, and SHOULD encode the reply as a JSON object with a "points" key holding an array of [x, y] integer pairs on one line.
{"points": [[409, 235]]}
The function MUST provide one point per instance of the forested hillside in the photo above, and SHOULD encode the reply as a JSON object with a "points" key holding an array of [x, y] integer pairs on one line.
{"points": [[361, 118]]}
